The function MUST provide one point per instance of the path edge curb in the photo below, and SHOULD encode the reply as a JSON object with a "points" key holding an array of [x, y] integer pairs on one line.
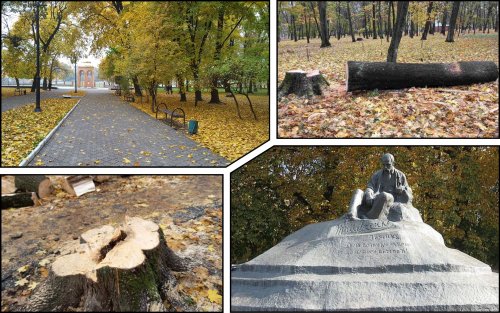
{"points": [[32, 154]]}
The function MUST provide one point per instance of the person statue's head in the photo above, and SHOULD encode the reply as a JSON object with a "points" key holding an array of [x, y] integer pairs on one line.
{"points": [[387, 162]]}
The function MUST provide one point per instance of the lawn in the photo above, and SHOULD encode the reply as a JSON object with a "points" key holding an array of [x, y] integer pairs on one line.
{"points": [[459, 111], [219, 127], [23, 129]]}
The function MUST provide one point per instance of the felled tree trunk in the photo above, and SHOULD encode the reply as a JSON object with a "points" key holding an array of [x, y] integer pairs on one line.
{"points": [[34, 183], [18, 200], [382, 75], [302, 83], [113, 269]]}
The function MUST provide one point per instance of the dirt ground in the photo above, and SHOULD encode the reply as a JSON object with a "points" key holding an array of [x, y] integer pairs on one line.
{"points": [[187, 208]]}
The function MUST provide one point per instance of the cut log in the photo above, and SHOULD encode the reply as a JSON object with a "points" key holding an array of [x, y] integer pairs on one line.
{"points": [[101, 178], [388, 75], [34, 183], [302, 83], [78, 185], [18, 200], [8, 184], [113, 269]]}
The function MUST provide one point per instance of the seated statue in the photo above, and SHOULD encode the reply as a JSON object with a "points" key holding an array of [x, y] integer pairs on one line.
{"points": [[388, 196]]}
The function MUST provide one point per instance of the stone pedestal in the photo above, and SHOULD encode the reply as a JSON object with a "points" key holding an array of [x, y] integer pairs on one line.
{"points": [[349, 264]]}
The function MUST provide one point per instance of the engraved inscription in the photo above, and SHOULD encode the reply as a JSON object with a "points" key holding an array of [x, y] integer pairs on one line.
{"points": [[363, 227]]}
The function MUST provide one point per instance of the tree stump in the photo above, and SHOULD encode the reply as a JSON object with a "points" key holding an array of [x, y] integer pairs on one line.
{"points": [[113, 269], [302, 83]]}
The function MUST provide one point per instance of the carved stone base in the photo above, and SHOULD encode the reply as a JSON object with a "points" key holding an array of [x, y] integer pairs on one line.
{"points": [[368, 265]]}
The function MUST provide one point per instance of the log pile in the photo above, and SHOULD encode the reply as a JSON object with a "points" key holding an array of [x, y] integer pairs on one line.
{"points": [[388, 75], [113, 269], [24, 190]]}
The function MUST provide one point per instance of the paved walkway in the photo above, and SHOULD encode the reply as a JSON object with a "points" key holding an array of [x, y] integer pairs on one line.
{"points": [[17, 101], [105, 131]]}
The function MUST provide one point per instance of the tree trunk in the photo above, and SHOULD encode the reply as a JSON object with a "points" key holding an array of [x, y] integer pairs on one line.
{"points": [[380, 75], [428, 22], [137, 88], [302, 83], [44, 86], [17, 81], [350, 22], [18, 200], [389, 28], [33, 85], [373, 21], [34, 183], [380, 29], [182, 91], [112, 270], [445, 17], [323, 27], [397, 33], [453, 21]]}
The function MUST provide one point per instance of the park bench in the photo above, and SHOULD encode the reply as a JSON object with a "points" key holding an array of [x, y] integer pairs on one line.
{"points": [[175, 113], [19, 91], [129, 97]]}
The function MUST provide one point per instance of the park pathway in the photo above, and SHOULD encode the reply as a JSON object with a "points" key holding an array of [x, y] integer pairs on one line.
{"points": [[105, 131], [17, 101]]}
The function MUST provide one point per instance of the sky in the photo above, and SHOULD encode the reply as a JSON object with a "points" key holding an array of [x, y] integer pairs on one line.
{"points": [[11, 19]]}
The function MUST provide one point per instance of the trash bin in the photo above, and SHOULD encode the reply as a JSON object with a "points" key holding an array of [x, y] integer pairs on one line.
{"points": [[193, 127]]}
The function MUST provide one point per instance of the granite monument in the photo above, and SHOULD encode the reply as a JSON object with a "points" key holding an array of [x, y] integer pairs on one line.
{"points": [[379, 256]]}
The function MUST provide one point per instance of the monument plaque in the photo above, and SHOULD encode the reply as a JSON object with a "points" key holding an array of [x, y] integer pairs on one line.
{"points": [[379, 256]]}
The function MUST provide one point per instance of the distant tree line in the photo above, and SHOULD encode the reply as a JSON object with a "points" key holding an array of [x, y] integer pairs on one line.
{"points": [[301, 20], [455, 189]]}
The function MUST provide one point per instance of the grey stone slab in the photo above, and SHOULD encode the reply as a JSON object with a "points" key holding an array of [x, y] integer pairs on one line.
{"points": [[369, 264]]}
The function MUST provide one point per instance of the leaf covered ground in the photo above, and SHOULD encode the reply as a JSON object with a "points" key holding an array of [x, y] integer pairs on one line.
{"points": [[219, 127], [187, 208], [23, 129], [459, 111]]}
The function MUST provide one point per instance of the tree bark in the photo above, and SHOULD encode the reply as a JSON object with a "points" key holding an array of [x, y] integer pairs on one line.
{"points": [[381, 75], [428, 22], [350, 22], [137, 88], [453, 21], [397, 33], [17, 81], [380, 31], [18, 200], [124, 269], [302, 83], [34, 183], [445, 17], [323, 27], [373, 21]]}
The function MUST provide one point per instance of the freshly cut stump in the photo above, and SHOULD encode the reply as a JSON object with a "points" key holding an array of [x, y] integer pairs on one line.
{"points": [[388, 75], [302, 83], [34, 183], [114, 269]]}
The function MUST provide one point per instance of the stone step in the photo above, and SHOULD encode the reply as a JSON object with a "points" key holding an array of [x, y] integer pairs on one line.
{"points": [[410, 292]]}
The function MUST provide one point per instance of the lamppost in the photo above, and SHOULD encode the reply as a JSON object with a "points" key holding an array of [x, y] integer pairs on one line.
{"points": [[37, 76], [74, 59]]}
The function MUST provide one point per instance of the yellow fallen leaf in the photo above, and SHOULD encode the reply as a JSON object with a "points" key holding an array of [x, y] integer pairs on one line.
{"points": [[44, 262], [214, 296], [21, 282], [126, 161], [97, 161], [23, 269], [32, 285]]}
